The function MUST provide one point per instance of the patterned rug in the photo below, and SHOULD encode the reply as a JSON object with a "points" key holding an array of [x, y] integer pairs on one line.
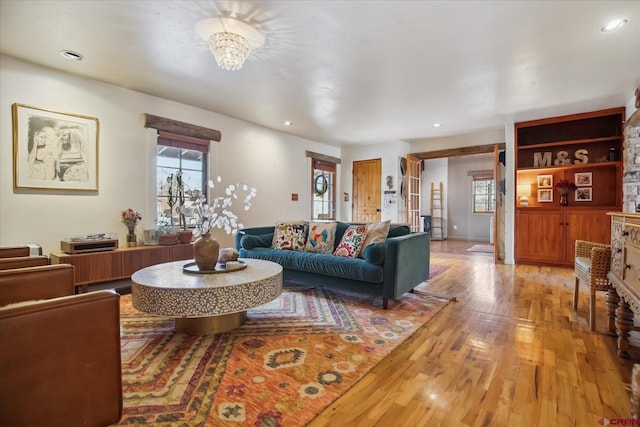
{"points": [[481, 248], [437, 269], [292, 358]]}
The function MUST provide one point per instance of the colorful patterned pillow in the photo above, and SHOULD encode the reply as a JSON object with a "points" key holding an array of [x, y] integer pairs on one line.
{"points": [[322, 236], [290, 235], [351, 241], [376, 232]]}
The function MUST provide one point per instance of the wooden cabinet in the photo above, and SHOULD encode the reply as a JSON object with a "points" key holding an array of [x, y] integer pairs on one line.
{"points": [[551, 233], [120, 263], [585, 149]]}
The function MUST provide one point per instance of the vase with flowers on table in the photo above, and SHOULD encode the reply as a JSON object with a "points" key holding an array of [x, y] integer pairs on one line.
{"points": [[130, 219], [216, 214], [564, 186]]}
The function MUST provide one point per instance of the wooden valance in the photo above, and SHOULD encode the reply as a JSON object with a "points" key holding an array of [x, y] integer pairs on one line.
{"points": [[323, 157], [181, 141], [181, 128]]}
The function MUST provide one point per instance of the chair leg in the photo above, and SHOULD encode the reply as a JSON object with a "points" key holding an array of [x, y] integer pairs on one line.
{"points": [[592, 310], [575, 294]]}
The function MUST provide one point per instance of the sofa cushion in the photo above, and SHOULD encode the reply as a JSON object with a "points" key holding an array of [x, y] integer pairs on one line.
{"points": [[251, 241], [351, 241], [329, 265], [398, 230], [290, 235], [321, 237], [376, 232]]}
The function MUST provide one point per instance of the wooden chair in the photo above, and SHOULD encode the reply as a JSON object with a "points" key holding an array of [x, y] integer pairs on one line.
{"points": [[592, 263]]}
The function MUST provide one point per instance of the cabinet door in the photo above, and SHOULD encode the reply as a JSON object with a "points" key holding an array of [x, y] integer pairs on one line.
{"points": [[593, 225], [539, 236]]}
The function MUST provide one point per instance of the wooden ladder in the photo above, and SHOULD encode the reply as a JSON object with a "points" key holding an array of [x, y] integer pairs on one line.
{"points": [[437, 222]]}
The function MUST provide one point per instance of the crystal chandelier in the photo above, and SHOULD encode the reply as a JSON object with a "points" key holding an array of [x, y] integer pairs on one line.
{"points": [[230, 40], [229, 49]]}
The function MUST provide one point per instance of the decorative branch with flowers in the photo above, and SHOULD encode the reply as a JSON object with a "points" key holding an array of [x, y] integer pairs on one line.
{"points": [[564, 186], [130, 218], [218, 213]]}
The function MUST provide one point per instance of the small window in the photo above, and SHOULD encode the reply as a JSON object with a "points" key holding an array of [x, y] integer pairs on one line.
{"points": [[484, 194], [171, 160], [323, 191]]}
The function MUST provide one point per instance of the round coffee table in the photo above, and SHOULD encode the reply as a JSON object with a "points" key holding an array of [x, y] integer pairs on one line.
{"points": [[205, 303]]}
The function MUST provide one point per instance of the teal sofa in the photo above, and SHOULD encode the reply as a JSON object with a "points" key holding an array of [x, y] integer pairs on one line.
{"points": [[388, 269]]}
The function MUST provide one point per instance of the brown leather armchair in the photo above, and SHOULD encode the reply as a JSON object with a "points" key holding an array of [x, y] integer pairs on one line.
{"points": [[60, 363]]}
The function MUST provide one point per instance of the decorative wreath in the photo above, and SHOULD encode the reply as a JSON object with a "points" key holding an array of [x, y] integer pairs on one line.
{"points": [[321, 185]]}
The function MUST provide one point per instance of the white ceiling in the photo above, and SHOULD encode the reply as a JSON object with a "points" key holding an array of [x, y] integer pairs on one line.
{"points": [[350, 72]]}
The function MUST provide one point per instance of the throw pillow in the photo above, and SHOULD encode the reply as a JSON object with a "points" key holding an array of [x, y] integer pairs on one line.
{"points": [[290, 235], [376, 233], [321, 237], [351, 241]]}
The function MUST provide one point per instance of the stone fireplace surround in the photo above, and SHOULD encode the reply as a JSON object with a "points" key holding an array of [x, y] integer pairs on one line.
{"points": [[631, 165]]}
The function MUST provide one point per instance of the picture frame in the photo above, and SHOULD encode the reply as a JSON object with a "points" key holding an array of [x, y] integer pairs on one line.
{"points": [[53, 150], [584, 194], [545, 181], [583, 179], [545, 195]]}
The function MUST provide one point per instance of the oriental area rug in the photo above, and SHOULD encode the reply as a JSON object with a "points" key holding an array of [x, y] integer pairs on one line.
{"points": [[481, 248], [290, 360]]}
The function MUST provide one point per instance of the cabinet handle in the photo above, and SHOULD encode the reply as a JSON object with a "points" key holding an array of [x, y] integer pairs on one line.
{"points": [[625, 233], [619, 250], [627, 266]]}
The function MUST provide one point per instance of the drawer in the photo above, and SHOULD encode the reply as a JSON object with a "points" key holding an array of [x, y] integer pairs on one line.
{"points": [[631, 270]]}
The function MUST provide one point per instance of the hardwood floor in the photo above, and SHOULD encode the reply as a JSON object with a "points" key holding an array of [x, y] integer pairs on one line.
{"points": [[510, 352]]}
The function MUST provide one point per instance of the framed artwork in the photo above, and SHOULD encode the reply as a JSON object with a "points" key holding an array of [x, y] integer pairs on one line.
{"points": [[584, 194], [545, 181], [54, 150], [583, 179], [545, 195]]}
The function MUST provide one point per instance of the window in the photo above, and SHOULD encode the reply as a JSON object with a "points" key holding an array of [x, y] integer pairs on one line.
{"points": [[323, 191], [173, 156], [484, 194]]}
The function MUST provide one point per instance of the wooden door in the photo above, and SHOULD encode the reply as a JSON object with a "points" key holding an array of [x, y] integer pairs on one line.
{"points": [[367, 179], [414, 170], [539, 236], [593, 225]]}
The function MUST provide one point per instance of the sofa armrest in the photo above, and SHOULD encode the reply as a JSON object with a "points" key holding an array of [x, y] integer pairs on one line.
{"points": [[36, 283], [406, 263], [252, 231], [61, 364]]}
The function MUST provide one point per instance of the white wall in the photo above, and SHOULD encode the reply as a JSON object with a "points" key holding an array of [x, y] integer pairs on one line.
{"points": [[390, 153], [462, 222], [271, 161]]}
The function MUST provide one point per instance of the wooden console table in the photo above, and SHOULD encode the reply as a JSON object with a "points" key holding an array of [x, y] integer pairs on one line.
{"points": [[624, 275], [119, 263]]}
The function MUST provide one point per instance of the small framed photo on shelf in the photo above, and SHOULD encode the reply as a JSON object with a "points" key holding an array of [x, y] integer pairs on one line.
{"points": [[545, 181], [583, 194], [583, 179], [545, 195]]}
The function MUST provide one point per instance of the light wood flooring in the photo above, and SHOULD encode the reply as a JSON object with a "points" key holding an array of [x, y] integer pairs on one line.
{"points": [[510, 352]]}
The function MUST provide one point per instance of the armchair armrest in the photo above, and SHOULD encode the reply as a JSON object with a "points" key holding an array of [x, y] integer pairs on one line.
{"points": [[36, 283], [23, 262], [61, 364]]}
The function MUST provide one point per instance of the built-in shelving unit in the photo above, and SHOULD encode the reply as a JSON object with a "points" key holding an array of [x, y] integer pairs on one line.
{"points": [[587, 145]]}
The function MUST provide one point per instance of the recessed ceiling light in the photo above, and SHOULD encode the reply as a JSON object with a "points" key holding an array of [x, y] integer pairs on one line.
{"points": [[436, 125], [74, 56], [288, 123], [613, 25]]}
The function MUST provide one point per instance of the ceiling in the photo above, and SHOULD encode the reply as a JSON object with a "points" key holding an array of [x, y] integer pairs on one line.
{"points": [[350, 72]]}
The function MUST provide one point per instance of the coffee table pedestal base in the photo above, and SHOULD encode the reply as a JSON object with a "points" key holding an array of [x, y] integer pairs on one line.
{"points": [[210, 325]]}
